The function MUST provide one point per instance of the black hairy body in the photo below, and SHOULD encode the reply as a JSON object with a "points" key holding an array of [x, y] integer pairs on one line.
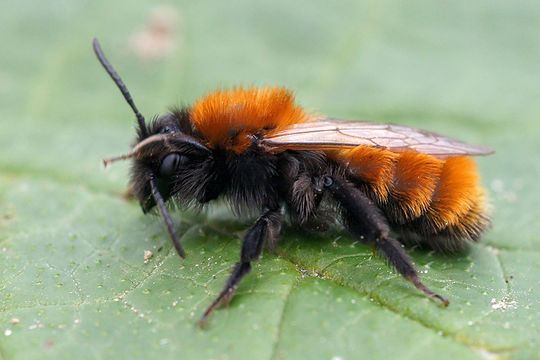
{"points": [[255, 181]]}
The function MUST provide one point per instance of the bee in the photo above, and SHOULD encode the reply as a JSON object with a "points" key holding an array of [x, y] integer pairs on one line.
{"points": [[388, 185]]}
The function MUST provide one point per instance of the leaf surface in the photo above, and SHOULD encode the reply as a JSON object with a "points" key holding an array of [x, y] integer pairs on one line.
{"points": [[74, 281]]}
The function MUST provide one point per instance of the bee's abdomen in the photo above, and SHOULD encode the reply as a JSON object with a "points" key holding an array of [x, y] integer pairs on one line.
{"points": [[436, 202]]}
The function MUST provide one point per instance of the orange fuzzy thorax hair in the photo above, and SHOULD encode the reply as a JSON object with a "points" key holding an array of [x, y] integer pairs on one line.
{"points": [[443, 194], [228, 118]]}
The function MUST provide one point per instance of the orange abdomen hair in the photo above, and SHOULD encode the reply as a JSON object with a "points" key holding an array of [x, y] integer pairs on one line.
{"points": [[227, 119], [438, 202]]}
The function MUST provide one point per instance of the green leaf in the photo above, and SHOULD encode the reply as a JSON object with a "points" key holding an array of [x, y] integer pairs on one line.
{"points": [[74, 280]]}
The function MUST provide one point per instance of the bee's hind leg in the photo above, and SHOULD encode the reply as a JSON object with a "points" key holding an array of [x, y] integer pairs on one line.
{"points": [[366, 222]]}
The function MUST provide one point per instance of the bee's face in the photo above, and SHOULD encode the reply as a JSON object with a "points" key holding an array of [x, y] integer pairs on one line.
{"points": [[171, 157]]}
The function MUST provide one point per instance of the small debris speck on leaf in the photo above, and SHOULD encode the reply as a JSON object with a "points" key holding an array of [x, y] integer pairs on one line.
{"points": [[147, 255], [503, 304]]}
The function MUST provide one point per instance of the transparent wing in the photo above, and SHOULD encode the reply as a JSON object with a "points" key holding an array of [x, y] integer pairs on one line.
{"points": [[331, 134]]}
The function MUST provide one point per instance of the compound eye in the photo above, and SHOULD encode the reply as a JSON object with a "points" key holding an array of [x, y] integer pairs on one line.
{"points": [[171, 163], [328, 181]]}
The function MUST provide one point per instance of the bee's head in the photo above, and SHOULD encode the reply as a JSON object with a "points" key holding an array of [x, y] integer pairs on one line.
{"points": [[167, 158], [170, 156]]}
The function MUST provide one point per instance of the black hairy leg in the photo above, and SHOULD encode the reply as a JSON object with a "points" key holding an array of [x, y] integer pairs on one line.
{"points": [[267, 226], [365, 221]]}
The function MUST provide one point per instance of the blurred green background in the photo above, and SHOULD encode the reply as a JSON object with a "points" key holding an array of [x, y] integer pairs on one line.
{"points": [[73, 279]]}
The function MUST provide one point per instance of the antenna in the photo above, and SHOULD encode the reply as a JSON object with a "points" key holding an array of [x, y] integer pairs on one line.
{"points": [[166, 217], [123, 89]]}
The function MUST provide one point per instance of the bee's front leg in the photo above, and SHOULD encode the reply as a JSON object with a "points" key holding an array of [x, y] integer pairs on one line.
{"points": [[266, 226]]}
